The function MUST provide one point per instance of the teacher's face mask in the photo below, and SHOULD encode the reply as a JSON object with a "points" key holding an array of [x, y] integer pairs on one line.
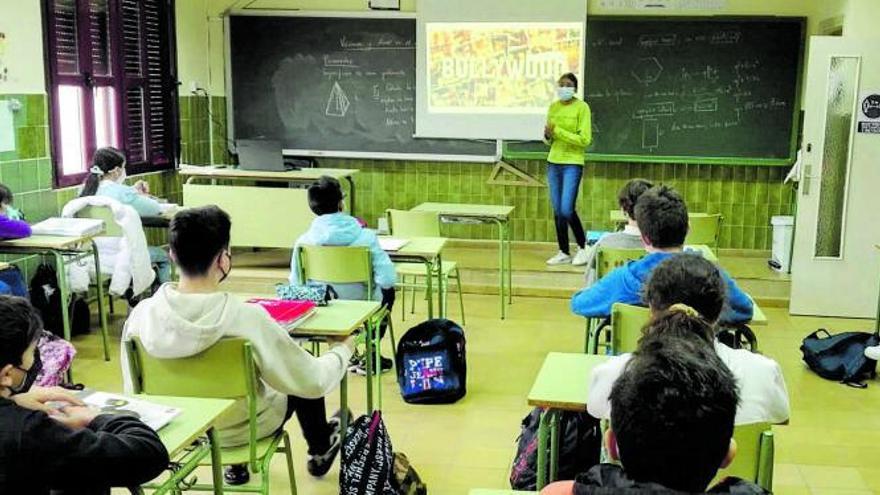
{"points": [[565, 93]]}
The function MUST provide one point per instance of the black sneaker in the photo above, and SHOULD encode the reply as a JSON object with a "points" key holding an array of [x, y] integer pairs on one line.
{"points": [[319, 464], [360, 368], [236, 474]]}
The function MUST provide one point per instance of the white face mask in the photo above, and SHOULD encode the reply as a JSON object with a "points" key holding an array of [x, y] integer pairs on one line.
{"points": [[120, 179], [565, 93]]}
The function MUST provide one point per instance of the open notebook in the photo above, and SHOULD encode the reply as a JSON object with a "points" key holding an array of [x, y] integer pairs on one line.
{"points": [[392, 244], [68, 227], [153, 415]]}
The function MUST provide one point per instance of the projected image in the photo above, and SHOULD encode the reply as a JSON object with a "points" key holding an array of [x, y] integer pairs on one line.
{"points": [[499, 67]]}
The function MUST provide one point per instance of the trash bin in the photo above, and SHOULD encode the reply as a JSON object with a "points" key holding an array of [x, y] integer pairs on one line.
{"points": [[783, 235]]}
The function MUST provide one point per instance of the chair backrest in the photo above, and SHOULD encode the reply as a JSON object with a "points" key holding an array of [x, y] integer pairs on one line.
{"points": [[337, 264], [608, 259], [704, 228], [111, 228], [403, 223], [226, 370], [754, 455], [627, 322]]}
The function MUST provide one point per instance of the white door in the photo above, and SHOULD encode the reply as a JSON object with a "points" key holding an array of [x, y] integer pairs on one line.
{"points": [[836, 267]]}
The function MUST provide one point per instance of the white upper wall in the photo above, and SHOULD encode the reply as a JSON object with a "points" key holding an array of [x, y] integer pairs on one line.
{"points": [[22, 54]]}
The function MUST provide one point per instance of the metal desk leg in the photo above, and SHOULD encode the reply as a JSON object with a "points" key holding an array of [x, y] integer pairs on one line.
{"points": [[554, 447], [64, 293], [343, 404], [351, 195], [217, 462], [441, 302], [102, 314], [543, 436], [501, 264], [429, 289], [377, 362], [368, 326], [509, 266]]}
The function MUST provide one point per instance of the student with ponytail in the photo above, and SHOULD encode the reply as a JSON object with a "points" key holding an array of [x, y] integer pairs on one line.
{"points": [[686, 294], [107, 178]]}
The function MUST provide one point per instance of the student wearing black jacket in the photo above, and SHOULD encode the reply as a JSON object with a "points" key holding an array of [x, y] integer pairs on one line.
{"points": [[49, 440], [672, 416]]}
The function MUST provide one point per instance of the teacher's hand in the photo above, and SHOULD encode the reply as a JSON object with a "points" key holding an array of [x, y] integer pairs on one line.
{"points": [[548, 131]]}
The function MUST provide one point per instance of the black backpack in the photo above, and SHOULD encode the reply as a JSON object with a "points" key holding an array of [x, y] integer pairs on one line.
{"points": [[366, 458], [46, 297], [431, 363], [580, 441], [841, 357]]}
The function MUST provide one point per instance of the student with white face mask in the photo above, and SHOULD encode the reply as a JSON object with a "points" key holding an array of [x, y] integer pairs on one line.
{"points": [[49, 440], [107, 178], [568, 133]]}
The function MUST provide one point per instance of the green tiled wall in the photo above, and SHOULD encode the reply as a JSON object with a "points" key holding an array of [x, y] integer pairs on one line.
{"points": [[746, 196]]}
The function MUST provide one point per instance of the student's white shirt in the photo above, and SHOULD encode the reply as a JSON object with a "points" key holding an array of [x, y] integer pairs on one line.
{"points": [[172, 324], [762, 393]]}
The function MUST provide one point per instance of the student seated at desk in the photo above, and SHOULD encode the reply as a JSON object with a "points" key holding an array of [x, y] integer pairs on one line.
{"points": [[188, 317], [686, 296], [628, 238], [12, 226], [662, 218], [333, 227], [671, 425], [107, 178], [48, 439]]}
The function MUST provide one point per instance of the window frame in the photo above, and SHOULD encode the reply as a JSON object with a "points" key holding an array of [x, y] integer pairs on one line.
{"points": [[118, 80]]}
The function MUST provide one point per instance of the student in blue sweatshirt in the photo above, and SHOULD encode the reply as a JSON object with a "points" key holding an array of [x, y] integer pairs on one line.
{"points": [[662, 217], [334, 227]]}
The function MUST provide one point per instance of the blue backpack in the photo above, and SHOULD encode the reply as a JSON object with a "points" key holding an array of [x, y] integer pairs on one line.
{"points": [[431, 363], [841, 357]]}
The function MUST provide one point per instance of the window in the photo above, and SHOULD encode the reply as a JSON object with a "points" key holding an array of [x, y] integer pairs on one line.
{"points": [[112, 82]]}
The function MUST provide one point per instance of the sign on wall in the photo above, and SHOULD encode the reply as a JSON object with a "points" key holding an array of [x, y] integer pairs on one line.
{"points": [[869, 112], [4, 71]]}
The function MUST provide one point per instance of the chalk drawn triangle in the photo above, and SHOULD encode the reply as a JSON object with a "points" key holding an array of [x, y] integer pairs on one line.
{"points": [[338, 103]]}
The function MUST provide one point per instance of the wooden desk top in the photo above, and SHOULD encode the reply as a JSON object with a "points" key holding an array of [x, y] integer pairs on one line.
{"points": [[420, 247], [196, 417], [564, 381], [467, 210], [337, 320], [53, 242], [304, 174]]}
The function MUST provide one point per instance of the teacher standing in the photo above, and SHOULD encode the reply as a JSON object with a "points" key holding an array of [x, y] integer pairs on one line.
{"points": [[568, 132]]}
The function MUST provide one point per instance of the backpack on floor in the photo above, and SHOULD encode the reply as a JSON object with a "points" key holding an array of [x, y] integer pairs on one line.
{"points": [[405, 479], [13, 278], [367, 462], [841, 357], [56, 355], [46, 297], [580, 443], [431, 363]]}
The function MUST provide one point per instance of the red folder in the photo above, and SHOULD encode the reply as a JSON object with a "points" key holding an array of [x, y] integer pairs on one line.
{"points": [[286, 313]]}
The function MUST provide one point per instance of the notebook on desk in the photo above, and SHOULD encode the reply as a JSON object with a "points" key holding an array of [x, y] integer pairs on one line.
{"points": [[68, 227], [392, 244], [288, 314], [153, 415]]}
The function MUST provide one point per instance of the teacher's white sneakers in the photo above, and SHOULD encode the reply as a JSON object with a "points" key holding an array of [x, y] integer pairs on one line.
{"points": [[560, 259], [580, 258]]}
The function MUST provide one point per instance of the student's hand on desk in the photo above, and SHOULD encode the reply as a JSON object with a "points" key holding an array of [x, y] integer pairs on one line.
{"points": [[142, 187], [46, 399], [76, 417]]}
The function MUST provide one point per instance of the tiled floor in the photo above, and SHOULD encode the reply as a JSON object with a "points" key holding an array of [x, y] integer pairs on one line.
{"points": [[832, 445]]}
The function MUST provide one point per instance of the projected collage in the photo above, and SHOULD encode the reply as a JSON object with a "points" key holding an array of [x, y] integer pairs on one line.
{"points": [[499, 67]]}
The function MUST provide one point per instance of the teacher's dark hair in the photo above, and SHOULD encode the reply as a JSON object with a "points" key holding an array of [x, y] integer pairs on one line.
{"points": [[571, 77]]}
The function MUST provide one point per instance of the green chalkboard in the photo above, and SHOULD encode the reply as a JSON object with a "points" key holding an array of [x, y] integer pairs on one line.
{"points": [[707, 90]]}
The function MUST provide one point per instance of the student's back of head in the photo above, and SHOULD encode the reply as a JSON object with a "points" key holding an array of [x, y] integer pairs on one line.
{"points": [[662, 217], [20, 327], [672, 414], [629, 195], [104, 161], [197, 236], [325, 196], [687, 279]]}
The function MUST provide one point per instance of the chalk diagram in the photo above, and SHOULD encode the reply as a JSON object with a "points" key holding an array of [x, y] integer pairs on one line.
{"points": [[338, 103], [648, 70]]}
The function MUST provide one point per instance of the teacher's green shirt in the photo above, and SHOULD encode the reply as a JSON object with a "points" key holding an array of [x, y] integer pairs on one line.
{"points": [[572, 134]]}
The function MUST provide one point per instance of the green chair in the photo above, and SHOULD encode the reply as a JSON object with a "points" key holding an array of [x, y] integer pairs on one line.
{"points": [[754, 457], [704, 228], [627, 322], [224, 371], [607, 259], [340, 265], [409, 224]]}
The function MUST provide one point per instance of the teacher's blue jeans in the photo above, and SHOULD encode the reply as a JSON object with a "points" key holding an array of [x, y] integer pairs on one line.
{"points": [[563, 181]]}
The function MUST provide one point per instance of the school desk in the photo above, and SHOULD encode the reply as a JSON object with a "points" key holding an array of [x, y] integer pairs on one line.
{"points": [[563, 384], [73, 248], [181, 437], [428, 251], [262, 216], [496, 214], [336, 321]]}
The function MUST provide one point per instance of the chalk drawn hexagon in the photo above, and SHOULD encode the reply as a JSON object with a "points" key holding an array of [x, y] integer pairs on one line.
{"points": [[648, 70]]}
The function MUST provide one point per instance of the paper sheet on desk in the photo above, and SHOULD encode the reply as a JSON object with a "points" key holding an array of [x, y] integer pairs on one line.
{"points": [[7, 130]]}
